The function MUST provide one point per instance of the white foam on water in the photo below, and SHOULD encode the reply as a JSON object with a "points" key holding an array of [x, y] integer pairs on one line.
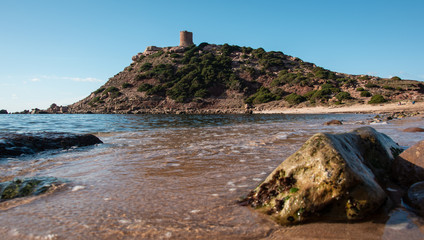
{"points": [[76, 188], [124, 221], [397, 227]]}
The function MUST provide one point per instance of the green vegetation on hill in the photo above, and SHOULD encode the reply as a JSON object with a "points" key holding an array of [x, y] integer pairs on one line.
{"points": [[254, 76]]}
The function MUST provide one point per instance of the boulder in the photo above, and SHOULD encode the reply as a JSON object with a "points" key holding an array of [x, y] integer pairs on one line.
{"points": [[335, 177], [27, 187], [333, 122], [408, 167], [12, 144], [413, 129], [415, 197]]}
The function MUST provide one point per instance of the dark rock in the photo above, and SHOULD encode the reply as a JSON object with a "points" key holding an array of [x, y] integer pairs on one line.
{"points": [[333, 122], [3, 111], [415, 197], [408, 167], [18, 144], [27, 187], [413, 129], [335, 177]]}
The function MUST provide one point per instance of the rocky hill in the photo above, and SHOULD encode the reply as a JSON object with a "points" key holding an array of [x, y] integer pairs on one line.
{"points": [[230, 79]]}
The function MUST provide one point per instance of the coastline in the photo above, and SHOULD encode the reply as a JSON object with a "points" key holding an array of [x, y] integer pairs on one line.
{"points": [[356, 108]]}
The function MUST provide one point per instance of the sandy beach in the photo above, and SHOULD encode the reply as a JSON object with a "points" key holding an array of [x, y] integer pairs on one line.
{"points": [[357, 108]]}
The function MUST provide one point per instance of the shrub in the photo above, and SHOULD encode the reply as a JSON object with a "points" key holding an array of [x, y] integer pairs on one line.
{"points": [[309, 94], [201, 93], [95, 100], [127, 85], [365, 94], [323, 94], [163, 72], [388, 87], [146, 67], [112, 91], [203, 45], [294, 98], [377, 99], [156, 90], [371, 85], [399, 88], [263, 95], [327, 86], [360, 89], [343, 96], [320, 73], [144, 87], [99, 90], [140, 77], [395, 78], [174, 55]]}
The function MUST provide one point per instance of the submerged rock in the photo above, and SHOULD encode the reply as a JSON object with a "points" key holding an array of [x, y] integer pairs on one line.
{"points": [[333, 122], [415, 197], [413, 129], [332, 176], [18, 144], [27, 187], [408, 167]]}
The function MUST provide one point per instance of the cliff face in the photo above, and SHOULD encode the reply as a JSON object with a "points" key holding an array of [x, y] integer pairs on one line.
{"points": [[231, 79]]}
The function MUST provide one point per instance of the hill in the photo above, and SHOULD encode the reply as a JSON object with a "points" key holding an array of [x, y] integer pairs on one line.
{"points": [[212, 78]]}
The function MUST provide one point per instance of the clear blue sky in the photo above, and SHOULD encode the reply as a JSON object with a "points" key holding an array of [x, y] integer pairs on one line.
{"points": [[60, 51]]}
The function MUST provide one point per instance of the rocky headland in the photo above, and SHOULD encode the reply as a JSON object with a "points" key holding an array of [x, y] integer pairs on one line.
{"points": [[211, 79]]}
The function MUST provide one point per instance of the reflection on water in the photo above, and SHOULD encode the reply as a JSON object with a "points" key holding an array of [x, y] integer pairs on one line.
{"points": [[169, 177]]}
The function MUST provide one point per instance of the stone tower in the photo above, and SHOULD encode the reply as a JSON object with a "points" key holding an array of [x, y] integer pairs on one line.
{"points": [[186, 39]]}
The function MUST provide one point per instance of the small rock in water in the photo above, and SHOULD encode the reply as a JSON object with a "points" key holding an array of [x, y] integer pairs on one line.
{"points": [[333, 122], [413, 129], [408, 167], [27, 187], [18, 144], [415, 197]]}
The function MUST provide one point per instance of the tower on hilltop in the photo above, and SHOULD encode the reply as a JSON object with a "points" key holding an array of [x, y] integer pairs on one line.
{"points": [[186, 39]]}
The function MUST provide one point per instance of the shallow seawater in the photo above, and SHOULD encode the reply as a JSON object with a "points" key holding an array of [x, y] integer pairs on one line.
{"points": [[175, 177]]}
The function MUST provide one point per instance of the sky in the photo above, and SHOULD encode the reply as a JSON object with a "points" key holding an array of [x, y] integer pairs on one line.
{"points": [[60, 51]]}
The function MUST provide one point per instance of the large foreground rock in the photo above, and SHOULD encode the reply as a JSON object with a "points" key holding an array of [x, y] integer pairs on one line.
{"points": [[18, 144], [27, 187], [332, 177]]}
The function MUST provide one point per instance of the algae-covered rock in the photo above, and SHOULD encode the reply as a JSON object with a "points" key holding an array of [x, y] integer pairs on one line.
{"points": [[332, 176], [27, 187]]}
